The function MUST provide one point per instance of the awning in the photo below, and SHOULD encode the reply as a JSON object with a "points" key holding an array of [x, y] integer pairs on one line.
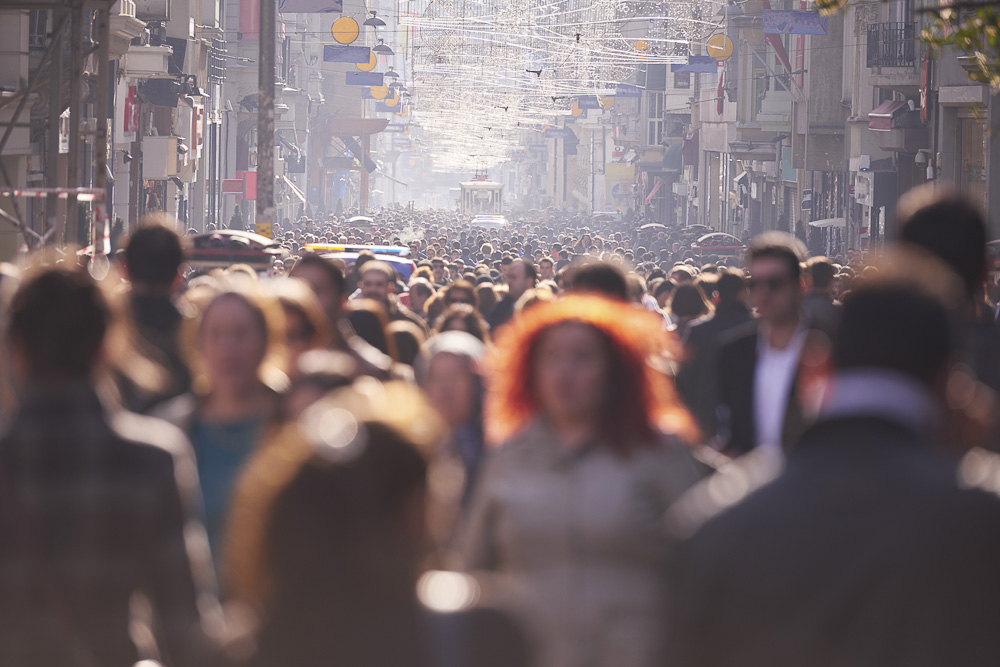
{"points": [[394, 180], [291, 186], [880, 118], [829, 222], [656, 188], [674, 157]]}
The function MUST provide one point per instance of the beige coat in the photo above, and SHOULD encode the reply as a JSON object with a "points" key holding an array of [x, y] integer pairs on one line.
{"points": [[576, 541]]}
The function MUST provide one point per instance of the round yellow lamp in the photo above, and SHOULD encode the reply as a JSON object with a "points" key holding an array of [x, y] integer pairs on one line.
{"points": [[345, 30], [719, 46], [370, 65], [379, 92], [393, 101]]}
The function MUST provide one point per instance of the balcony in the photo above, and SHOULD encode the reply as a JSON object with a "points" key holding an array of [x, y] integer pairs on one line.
{"points": [[891, 45], [893, 58]]}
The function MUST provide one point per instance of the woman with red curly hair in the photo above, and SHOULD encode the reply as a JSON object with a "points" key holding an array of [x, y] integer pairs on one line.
{"points": [[569, 508]]}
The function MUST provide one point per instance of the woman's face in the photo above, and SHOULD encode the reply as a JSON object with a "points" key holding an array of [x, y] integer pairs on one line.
{"points": [[571, 370], [232, 343], [450, 387]]}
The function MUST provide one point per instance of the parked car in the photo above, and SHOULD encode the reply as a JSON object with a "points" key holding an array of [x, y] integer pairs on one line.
{"points": [[221, 249]]}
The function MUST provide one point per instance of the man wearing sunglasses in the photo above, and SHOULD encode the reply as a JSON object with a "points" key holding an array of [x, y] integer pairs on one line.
{"points": [[756, 403]]}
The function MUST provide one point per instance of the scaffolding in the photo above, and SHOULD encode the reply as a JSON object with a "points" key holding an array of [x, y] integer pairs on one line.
{"points": [[69, 20]]}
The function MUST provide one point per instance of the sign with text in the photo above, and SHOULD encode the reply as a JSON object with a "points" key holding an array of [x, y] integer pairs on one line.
{"points": [[793, 22]]}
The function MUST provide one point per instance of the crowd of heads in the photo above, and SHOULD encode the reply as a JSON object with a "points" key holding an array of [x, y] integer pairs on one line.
{"points": [[340, 410]]}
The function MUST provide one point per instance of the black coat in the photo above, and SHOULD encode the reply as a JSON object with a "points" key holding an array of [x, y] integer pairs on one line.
{"points": [[696, 378], [865, 552], [735, 368]]}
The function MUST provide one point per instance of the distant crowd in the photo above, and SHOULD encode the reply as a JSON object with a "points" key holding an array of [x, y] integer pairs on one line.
{"points": [[570, 441]]}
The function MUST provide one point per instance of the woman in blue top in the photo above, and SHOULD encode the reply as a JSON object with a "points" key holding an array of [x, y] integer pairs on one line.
{"points": [[236, 341]]}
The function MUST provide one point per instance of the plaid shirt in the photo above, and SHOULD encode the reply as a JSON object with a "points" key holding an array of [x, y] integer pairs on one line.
{"points": [[103, 507]]}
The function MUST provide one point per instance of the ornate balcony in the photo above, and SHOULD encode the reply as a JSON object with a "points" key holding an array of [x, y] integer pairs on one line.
{"points": [[891, 45]]}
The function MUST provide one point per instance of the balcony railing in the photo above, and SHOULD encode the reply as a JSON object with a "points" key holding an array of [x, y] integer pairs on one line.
{"points": [[891, 45]]}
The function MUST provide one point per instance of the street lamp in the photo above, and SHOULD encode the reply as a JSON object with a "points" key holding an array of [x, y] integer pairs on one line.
{"points": [[382, 49], [732, 10], [374, 21]]}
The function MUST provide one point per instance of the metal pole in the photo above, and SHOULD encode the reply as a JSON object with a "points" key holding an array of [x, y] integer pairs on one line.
{"points": [[265, 118], [365, 148], [75, 107], [101, 140], [593, 177], [52, 171]]}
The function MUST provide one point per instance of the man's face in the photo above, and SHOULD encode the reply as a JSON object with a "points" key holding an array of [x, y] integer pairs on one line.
{"points": [[546, 270], [326, 293], [517, 280], [774, 292], [418, 298], [375, 285], [437, 268]]}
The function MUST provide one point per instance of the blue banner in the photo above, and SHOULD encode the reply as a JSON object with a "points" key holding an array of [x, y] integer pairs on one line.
{"points": [[311, 6], [364, 79], [395, 129], [697, 65], [794, 22], [538, 148], [588, 102], [627, 90], [342, 53], [559, 133]]}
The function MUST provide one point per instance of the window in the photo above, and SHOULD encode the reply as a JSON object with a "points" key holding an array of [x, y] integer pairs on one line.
{"points": [[655, 118], [682, 80]]}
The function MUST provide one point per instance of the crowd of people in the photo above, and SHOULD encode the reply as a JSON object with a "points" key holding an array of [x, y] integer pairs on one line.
{"points": [[569, 442]]}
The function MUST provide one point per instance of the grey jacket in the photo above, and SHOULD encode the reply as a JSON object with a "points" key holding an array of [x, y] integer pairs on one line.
{"points": [[577, 544]]}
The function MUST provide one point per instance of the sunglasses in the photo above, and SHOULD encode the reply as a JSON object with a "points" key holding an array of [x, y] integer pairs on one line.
{"points": [[769, 284]]}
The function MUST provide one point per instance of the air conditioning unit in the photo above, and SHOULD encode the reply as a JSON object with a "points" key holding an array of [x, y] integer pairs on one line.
{"points": [[681, 189]]}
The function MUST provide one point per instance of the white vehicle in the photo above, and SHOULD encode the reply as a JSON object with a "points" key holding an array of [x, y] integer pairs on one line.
{"points": [[481, 196], [489, 221]]}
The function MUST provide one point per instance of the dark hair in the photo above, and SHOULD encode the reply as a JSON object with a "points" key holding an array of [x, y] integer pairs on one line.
{"points": [[474, 322], [688, 301], [154, 254], [899, 319], [460, 286], [950, 226], [318, 539], [779, 245], [601, 278], [663, 286], [529, 269], [407, 338], [730, 286], [335, 275], [822, 272], [368, 319], [59, 318]]}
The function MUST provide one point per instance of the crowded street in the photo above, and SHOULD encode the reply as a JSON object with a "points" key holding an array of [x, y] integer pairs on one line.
{"points": [[350, 333]]}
